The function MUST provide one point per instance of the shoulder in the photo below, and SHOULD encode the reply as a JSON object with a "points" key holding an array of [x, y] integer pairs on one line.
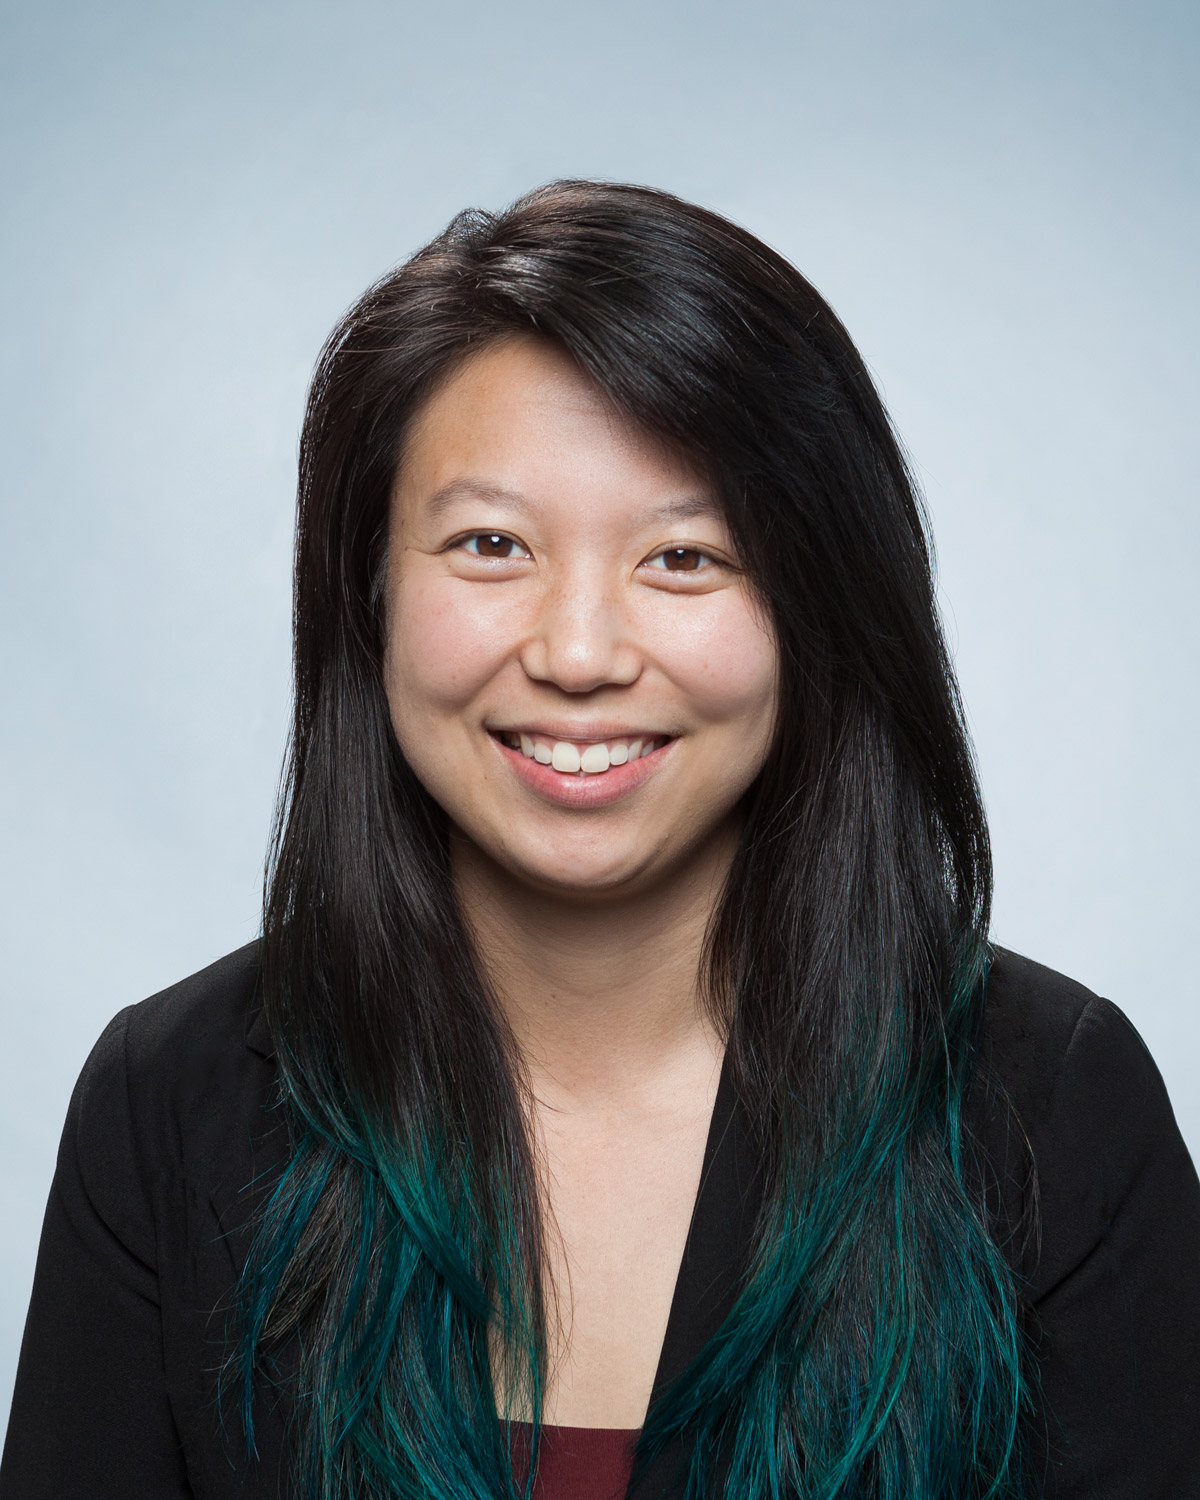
{"points": [[173, 1075], [1044, 1033], [1070, 1088], [1033, 1017], [191, 1027], [184, 1035]]}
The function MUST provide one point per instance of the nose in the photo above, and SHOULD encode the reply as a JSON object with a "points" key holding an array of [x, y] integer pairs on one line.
{"points": [[582, 638]]}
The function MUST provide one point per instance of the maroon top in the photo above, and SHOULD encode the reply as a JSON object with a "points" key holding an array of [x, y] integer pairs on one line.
{"points": [[576, 1463]]}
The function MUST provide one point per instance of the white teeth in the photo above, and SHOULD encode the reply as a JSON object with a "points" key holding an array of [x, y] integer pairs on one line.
{"points": [[568, 758], [564, 757]]}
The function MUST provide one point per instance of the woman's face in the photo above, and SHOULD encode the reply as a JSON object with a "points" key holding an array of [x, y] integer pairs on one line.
{"points": [[576, 670]]}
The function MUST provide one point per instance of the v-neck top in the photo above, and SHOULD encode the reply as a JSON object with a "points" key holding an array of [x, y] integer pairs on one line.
{"points": [[575, 1463], [170, 1145]]}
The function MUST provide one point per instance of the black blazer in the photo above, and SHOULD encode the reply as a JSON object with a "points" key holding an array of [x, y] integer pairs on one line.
{"points": [[170, 1142]]}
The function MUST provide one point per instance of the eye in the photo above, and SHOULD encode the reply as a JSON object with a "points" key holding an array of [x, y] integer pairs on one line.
{"points": [[680, 560], [492, 544]]}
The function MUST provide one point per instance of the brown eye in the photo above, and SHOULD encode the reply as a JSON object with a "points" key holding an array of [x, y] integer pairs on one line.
{"points": [[682, 559], [493, 544]]}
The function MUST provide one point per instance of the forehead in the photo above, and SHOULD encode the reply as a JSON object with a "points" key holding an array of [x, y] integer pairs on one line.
{"points": [[521, 425]]}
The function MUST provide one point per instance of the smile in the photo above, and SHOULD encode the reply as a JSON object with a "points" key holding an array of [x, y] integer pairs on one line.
{"points": [[582, 757]]}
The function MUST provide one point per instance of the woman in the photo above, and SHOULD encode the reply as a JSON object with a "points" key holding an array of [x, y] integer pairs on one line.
{"points": [[624, 1093]]}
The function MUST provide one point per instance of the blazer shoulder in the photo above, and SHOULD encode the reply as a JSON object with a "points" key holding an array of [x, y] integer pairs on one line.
{"points": [[175, 1070], [1031, 1014], [170, 1087], [198, 1017], [1071, 1088], [1046, 1035]]}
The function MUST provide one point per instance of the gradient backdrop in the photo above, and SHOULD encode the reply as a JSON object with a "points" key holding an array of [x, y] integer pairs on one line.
{"points": [[1001, 201]]}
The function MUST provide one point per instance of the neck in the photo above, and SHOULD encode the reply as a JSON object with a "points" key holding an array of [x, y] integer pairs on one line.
{"points": [[600, 994]]}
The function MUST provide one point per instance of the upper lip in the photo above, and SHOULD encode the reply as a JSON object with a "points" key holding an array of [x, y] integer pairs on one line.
{"points": [[559, 729]]}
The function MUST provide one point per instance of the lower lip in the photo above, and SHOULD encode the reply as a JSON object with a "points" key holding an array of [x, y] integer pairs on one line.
{"points": [[581, 789]]}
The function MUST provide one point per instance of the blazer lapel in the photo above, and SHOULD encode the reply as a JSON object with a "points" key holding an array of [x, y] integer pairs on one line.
{"points": [[710, 1273]]}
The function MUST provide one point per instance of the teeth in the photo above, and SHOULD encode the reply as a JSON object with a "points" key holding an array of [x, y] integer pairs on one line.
{"points": [[565, 757], [592, 760]]}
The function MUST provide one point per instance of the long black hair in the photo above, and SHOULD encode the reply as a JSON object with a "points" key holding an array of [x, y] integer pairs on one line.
{"points": [[874, 1348]]}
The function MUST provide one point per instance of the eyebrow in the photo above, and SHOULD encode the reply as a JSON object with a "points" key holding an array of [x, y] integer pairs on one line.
{"points": [[474, 489], [687, 508]]}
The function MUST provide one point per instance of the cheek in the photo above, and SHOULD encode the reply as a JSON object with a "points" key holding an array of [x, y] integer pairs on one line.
{"points": [[442, 648], [723, 658]]}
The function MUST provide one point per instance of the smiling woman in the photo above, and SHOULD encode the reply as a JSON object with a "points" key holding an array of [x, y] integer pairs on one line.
{"points": [[542, 629], [624, 1098]]}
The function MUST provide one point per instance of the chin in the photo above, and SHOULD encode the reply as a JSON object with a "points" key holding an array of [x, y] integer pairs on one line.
{"points": [[590, 874]]}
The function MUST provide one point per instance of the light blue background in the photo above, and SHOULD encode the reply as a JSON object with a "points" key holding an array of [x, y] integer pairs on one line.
{"points": [[1000, 199]]}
